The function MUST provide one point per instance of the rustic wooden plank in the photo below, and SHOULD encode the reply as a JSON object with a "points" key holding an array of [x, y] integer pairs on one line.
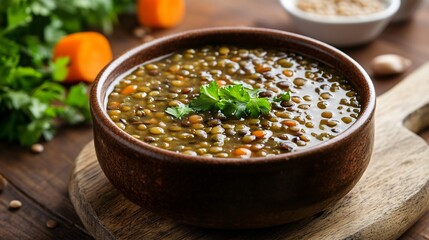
{"points": [[420, 230], [43, 178], [391, 196], [29, 222]]}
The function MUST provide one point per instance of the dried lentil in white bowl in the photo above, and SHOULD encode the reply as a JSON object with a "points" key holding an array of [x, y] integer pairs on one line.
{"points": [[342, 7], [335, 25]]}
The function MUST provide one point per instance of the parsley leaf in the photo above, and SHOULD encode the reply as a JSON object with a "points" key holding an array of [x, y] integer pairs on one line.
{"points": [[235, 109], [59, 68], [257, 106], [77, 100], [49, 92], [17, 16], [235, 93], [283, 97], [179, 111], [208, 98]]}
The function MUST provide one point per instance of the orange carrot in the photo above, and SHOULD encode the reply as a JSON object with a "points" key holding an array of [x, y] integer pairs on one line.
{"points": [[259, 133], [89, 52], [129, 89], [290, 123], [160, 13], [288, 73], [242, 152]]}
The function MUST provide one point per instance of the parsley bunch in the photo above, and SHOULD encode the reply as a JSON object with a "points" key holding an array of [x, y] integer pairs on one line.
{"points": [[32, 99], [234, 101]]}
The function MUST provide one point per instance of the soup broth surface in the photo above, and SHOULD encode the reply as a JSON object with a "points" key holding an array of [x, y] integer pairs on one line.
{"points": [[322, 102]]}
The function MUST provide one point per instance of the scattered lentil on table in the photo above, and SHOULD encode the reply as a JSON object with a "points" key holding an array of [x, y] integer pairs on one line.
{"points": [[37, 148], [341, 7], [51, 224], [15, 204], [323, 103]]}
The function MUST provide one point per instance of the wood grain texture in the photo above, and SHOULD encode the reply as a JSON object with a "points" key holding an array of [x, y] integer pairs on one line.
{"points": [[391, 196], [42, 179], [40, 182]]}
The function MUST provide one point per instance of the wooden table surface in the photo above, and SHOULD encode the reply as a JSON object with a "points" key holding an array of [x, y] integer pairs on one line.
{"points": [[40, 181]]}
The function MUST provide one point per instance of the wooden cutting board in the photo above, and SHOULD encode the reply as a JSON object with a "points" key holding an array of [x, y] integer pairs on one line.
{"points": [[392, 194]]}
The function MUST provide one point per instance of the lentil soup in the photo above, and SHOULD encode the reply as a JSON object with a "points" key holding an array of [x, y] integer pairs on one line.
{"points": [[321, 102]]}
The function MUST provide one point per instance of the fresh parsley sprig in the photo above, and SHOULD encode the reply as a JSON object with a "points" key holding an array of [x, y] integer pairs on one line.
{"points": [[32, 99], [234, 101]]}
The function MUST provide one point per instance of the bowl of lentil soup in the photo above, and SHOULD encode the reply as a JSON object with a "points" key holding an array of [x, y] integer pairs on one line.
{"points": [[209, 127], [343, 23]]}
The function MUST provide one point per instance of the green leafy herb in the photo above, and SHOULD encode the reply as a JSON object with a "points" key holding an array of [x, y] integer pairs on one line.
{"points": [[258, 106], [32, 100], [208, 99], [283, 97], [233, 101], [179, 111], [59, 68]]}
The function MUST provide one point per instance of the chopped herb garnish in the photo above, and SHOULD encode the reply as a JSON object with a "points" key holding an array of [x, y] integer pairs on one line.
{"points": [[233, 101]]}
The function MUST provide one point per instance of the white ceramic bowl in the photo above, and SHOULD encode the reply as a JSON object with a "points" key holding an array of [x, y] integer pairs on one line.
{"points": [[341, 31]]}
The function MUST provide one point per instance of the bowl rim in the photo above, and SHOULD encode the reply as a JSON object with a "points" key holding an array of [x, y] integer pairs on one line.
{"points": [[98, 110], [388, 12]]}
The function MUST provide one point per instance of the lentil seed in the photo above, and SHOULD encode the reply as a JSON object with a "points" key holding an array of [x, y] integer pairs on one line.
{"points": [[299, 82], [346, 120], [15, 204], [174, 128], [156, 130], [201, 151], [51, 224], [189, 152], [186, 136], [326, 95], [195, 119], [214, 122], [37, 148], [248, 138], [217, 129], [322, 105], [197, 126], [224, 50], [327, 114], [221, 155], [287, 146], [285, 63], [201, 133], [332, 123], [215, 149]]}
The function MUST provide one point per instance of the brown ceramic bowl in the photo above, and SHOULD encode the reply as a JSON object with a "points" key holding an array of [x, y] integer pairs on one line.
{"points": [[233, 192]]}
